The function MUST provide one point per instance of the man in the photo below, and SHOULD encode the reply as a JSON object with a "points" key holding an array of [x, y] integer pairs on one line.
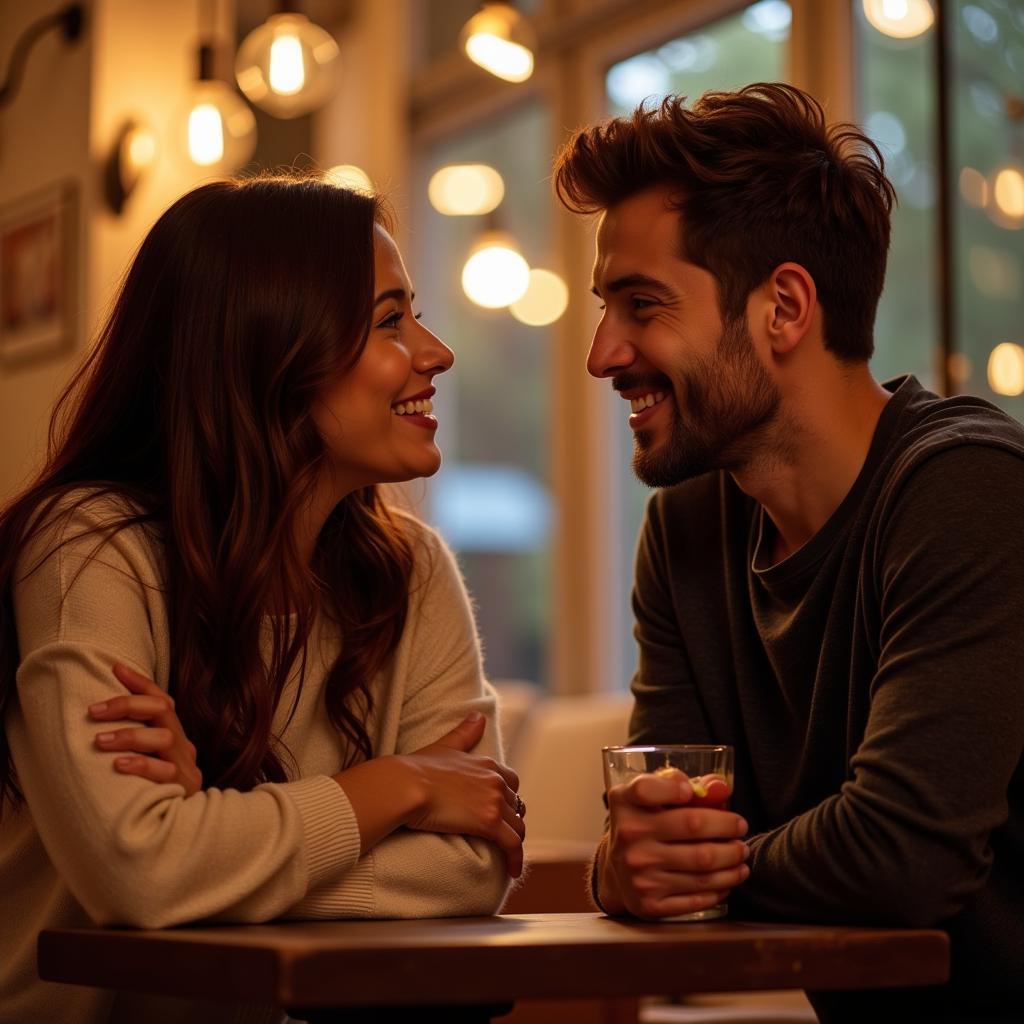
{"points": [[832, 576]]}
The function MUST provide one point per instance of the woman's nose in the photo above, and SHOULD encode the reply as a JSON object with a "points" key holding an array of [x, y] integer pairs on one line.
{"points": [[432, 355]]}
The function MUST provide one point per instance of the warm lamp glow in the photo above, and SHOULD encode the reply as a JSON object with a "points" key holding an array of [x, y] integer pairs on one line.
{"points": [[1006, 369], [544, 300], [461, 190], [1008, 196], [205, 135], [141, 149], [495, 274], [287, 74], [220, 128], [349, 176], [287, 66], [900, 19], [973, 187], [500, 41]]}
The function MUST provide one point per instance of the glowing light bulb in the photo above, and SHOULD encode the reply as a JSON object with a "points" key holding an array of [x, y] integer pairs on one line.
{"points": [[287, 66], [500, 40], [973, 187], [460, 190], [1006, 369], [287, 73], [544, 301], [495, 274], [900, 19], [349, 176], [141, 147], [1008, 192], [205, 135], [220, 129]]}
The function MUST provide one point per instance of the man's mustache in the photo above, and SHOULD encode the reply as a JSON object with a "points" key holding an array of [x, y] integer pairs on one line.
{"points": [[628, 381]]}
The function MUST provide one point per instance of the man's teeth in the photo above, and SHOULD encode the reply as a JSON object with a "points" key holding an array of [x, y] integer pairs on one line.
{"points": [[421, 406], [653, 398]]}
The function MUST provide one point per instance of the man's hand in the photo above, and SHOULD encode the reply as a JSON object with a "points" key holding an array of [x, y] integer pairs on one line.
{"points": [[664, 856]]}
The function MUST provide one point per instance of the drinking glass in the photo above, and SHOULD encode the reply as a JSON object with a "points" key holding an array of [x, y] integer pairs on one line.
{"points": [[705, 765]]}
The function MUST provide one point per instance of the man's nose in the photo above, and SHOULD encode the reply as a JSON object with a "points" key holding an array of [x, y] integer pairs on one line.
{"points": [[610, 352]]}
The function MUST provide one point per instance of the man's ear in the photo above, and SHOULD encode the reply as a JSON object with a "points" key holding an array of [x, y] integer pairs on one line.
{"points": [[792, 300]]}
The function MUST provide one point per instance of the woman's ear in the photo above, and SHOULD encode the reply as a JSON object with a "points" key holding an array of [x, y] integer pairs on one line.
{"points": [[793, 299]]}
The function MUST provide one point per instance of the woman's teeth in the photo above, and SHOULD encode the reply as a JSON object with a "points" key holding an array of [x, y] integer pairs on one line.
{"points": [[421, 406], [639, 404]]}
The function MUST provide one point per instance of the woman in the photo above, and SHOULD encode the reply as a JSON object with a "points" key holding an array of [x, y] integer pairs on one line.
{"points": [[208, 519]]}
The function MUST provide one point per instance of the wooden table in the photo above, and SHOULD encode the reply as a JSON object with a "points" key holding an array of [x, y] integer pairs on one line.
{"points": [[487, 960]]}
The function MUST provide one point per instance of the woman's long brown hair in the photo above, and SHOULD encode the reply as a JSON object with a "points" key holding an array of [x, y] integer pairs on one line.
{"points": [[243, 301]]}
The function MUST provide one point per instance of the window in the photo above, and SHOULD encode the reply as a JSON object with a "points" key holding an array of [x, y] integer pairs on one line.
{"points": [[491, 499], [897, 109]]}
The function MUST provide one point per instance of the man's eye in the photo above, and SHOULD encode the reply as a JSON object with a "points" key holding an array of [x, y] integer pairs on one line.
{"points": [[639, 303]]}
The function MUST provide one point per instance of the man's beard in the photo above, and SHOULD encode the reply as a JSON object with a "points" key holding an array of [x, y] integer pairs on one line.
{"points": [[727, 399]]}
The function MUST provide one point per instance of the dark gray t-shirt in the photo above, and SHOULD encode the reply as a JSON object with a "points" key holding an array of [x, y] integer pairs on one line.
{"points": [[872, 684]]}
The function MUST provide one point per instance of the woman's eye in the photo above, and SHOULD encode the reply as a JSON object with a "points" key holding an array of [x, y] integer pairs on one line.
{"points": [[392, 320]]}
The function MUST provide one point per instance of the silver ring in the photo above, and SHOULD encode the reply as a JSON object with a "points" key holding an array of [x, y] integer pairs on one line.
{"points": [[520, 806]]}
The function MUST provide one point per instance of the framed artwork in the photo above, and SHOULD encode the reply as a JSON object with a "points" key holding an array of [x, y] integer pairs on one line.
{"points": [[38, 275]]}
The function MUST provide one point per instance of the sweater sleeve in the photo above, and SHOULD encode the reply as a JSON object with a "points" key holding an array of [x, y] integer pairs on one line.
{"points": [[907, 839], [424, 874], [133, 851]]}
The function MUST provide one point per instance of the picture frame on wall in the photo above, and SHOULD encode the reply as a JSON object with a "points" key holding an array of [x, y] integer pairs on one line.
{"points": [[38, 275]]}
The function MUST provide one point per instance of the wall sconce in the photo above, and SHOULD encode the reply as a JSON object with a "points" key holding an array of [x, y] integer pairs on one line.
{"points": [[69, 20], [500, 40], [287, 66], [132, 155]]}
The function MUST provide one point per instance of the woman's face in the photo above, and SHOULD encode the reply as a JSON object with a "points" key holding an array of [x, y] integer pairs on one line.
{"points": [[376, 420]]}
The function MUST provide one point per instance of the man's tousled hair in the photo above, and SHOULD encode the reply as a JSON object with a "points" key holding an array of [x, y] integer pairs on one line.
{"points": [[759, 179]]}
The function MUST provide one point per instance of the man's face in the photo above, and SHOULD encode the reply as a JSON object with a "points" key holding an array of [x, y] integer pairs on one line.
{"points": [[698, 390]]}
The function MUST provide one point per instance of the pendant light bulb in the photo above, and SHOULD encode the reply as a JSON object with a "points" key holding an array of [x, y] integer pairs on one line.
{"points": [[219, 128], [500, 40], [287, 66]]}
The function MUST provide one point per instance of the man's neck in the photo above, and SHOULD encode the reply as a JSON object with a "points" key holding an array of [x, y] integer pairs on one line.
{"points": [[819, 447]]}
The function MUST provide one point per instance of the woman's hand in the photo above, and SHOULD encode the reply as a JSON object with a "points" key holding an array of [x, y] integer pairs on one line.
{"points": [[171, 757], [469, 795], [441, 788]]}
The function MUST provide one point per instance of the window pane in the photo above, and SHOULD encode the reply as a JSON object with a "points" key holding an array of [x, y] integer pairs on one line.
{"points": [[491, 498], [897, 109], [746, 47], [988, 171]]}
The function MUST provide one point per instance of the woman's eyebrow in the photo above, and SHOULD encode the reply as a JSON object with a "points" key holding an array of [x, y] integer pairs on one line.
{"points": [[392, 293]]}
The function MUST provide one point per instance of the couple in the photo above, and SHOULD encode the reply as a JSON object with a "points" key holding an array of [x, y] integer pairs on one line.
{"points": [[828, 579]]}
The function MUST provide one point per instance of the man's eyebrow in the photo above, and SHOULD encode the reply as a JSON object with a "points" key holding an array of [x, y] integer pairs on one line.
{"points": [[392, 293], [634, 280]]}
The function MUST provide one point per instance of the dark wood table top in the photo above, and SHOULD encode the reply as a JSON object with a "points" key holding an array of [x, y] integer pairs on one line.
{"points": [[487, 960]]}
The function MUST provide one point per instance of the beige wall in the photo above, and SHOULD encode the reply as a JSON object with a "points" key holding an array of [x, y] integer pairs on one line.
{"points": [[366, 121], [44, 139], [134, 60]]}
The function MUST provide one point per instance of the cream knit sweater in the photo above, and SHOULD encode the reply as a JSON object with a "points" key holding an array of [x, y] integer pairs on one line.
{"points": [[91, 845]]}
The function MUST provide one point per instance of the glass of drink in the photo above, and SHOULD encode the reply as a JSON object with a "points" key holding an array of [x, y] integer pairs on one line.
{"points": [[708, 767]]}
